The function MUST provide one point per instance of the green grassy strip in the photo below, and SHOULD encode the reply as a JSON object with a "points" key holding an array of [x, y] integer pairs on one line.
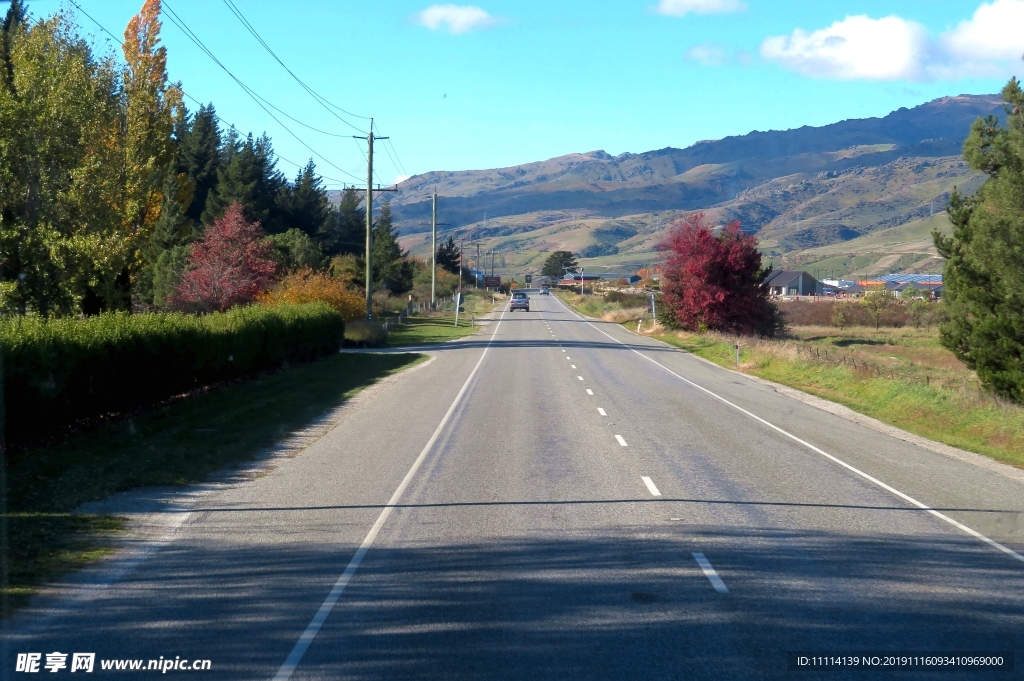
{"points": [[440, 327], [174, 444], [940, 415]]}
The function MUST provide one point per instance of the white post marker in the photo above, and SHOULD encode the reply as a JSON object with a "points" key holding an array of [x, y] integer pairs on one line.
{"points": [[621, 441], [710, 573], [651, 487], [737, 346]]}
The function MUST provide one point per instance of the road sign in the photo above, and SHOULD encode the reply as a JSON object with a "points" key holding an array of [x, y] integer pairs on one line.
{"points": [[492, 282], [529, 278]]}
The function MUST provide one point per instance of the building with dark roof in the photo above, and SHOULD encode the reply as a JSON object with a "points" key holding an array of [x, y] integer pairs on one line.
{"points": [[792, 283]]}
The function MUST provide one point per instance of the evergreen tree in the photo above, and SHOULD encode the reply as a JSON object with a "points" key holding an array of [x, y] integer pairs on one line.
{"points": [[557, 263], [345, 230], [449, 256], [172, 230], [308, 208], [199, 156], [248, 176], [15, 19], [391, 271], [984, 273]]}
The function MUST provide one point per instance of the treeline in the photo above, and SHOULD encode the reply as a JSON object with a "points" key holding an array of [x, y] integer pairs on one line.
{"points": [[107, 180]]}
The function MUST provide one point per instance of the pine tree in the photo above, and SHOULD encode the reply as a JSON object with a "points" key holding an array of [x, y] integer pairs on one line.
{"points": [[391, 271], [449, 256], [15, 19], [248, 176], [557, 263], [199, 156], [345, 230], [984, 273], [308, 208]]}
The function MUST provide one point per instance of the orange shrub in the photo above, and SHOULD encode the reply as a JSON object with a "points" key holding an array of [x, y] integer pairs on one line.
{"points": [[307, 286]]}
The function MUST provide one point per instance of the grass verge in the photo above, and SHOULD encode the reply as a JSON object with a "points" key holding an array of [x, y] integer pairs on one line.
{"points": [[439, 327], [175, 444], [959, 419]]}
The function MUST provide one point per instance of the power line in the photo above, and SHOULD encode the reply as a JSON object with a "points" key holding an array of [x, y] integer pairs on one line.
{"points": [[180, 23], [248, 91], [322, 101]]}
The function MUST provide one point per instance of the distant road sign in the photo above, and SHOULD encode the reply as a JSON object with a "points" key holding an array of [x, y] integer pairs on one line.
{"points": [[492, 282], [529, 278]]}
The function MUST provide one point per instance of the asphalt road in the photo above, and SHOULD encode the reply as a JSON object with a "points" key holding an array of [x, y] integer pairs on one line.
{"points": [[556, 498]]}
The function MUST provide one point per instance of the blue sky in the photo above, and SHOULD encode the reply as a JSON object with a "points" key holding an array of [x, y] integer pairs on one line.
{"points": [[497, 83]]}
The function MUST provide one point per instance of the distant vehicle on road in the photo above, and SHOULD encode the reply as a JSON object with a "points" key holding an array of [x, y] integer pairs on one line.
{"points": [[545, 291], [520, 301]]}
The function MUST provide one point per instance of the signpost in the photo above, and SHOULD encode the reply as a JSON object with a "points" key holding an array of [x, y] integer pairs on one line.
{"points": [[529, 279], [492, 282]]}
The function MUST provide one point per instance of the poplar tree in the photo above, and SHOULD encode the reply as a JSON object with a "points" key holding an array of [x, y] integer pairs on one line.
{"points": [[984, 271]]}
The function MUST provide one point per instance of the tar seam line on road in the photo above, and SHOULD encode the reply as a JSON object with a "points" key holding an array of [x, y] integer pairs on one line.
{"points": [[941, 516], [651, 487], [710, 573], [293, 659]]}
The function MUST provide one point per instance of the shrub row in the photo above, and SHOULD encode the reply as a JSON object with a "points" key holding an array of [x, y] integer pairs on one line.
{"points": [[60, 370], [800, 313]]}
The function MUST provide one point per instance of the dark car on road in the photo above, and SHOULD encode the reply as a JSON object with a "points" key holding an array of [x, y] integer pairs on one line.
{"points": [[520, 301]]}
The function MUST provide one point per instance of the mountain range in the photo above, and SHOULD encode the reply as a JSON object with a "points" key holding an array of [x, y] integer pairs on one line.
{"points": [[799, 190]]}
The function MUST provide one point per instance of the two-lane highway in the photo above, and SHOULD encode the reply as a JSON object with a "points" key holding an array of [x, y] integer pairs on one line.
{"points": [[557, 498]]}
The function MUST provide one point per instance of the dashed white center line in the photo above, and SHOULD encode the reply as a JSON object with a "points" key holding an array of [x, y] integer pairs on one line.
{"points": [[563, 350], [710, 573], [601, 411], [580, 377], [573, 366], [621, 441], [651, 487], [589, 391]]}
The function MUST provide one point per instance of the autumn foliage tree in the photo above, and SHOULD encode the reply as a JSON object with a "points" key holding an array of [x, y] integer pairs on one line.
{"points": [[715, 282], [230, 265]]}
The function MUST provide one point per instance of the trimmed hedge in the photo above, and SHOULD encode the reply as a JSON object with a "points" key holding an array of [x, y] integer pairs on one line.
{"points": [[59, 370]]}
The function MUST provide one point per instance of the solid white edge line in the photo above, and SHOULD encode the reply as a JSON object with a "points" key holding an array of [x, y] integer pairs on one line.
{"points": [[651, 487], [601, 411], [710, 573], [293, 659], [941, 516], [621, 441]]}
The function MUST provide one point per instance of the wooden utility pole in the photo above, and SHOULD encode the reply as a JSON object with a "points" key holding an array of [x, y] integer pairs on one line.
{"points": [[369, 216]]}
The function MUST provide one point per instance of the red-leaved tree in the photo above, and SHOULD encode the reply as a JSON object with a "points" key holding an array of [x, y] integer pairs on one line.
{"points": [[229, 266], [715, 282]]}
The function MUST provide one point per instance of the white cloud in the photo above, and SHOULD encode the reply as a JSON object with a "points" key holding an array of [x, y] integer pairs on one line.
{"points": [[457, 18], [680, 8], [892, 48], [995, 32], [707, 54], [856, 48], [399, 179]]}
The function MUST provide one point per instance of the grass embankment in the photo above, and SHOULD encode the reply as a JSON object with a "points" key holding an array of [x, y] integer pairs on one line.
{"points": [[902, 377], [618, 308], [439, 327], [174, 444]]}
